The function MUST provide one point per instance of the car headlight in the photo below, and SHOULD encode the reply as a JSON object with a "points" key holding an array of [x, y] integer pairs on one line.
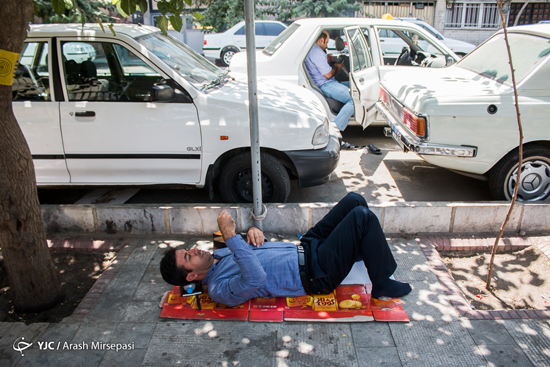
{"points": [[321, 134]]}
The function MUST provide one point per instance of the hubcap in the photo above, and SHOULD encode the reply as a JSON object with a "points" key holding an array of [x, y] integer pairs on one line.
{"points": [[228, 56], [534, 181], [242, 186]]}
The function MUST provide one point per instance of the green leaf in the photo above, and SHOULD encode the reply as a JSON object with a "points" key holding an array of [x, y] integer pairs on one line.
{"points": [[198, 15], [58, 6], [129, 6], [163, 7], [189, 2], [176, 22], [114, 2], [177, 6], [163, 24], [111, 27], [142, 4], [120, 10], [100, 24]]}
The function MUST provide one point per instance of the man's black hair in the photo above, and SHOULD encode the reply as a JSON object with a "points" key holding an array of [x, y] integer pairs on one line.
{"points": [[323, 35], [170, 272]]}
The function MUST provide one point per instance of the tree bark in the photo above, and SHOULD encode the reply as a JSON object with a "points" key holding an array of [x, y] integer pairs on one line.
{"points": [[32, 274]]}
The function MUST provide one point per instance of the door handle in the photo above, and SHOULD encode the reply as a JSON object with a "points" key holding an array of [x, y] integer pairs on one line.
{"points": [[85, 113]]}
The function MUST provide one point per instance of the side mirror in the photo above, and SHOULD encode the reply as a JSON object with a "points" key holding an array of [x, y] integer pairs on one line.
{"points": [[162, 93], [450, 61]]}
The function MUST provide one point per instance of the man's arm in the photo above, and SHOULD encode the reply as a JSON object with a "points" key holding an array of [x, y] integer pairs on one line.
{"points": [[335, 68]]}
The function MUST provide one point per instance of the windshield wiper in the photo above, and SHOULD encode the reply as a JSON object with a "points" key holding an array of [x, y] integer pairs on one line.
{"points": [[217, 81]]}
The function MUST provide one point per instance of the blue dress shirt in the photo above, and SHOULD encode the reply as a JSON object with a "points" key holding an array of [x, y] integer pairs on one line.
{"points": [[317, 65], [245, 272]]}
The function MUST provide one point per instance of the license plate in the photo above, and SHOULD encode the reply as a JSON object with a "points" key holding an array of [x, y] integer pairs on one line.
{"points": [[397, 138]]}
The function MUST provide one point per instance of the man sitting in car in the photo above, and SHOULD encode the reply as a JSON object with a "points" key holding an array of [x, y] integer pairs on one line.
{"points": [[317, 63]]}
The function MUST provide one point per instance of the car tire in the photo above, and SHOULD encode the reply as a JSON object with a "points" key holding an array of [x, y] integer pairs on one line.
{"points": [[535, 183], [227, 55], [236, 180]]}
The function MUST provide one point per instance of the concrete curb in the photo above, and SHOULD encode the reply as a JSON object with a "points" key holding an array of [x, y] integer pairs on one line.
{"points": [[200, 219]]}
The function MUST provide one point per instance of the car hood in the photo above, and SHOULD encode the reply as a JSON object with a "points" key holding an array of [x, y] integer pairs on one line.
{"points": [[413, 86], [279, 96]]}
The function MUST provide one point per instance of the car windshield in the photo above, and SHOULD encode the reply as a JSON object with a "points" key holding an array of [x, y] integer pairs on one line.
{"points": [[281, 38], [491, 59], [185, 61]]}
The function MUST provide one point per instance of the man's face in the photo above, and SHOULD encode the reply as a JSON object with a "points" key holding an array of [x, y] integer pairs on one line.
{"points": [[194, 260], [323, 42]]}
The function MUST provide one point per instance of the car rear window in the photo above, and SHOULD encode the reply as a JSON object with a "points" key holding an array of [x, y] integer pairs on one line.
{"points": [[491, 59], [281, 38]]}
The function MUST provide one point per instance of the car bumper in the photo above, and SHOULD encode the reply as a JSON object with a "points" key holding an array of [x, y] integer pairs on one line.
{"points": [[211, 53], [410, 143], [315, 166]]}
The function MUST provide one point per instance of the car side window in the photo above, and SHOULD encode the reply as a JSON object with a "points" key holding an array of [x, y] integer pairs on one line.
{"points": [[273, 29], [32, 78], [258, 30], [361, 59], [106, 72]]}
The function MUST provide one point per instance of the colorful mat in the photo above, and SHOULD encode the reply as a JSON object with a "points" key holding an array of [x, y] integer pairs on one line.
{"points": [[348, 303]]}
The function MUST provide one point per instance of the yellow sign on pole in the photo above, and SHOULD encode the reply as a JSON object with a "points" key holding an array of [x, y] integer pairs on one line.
{"points": [[8, 64]]}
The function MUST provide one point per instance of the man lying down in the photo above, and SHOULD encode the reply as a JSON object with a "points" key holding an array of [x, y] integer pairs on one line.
{"points": [[350, 232]]}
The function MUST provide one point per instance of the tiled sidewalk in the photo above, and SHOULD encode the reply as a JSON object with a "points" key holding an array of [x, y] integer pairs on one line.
{"points": [[123, 307]]}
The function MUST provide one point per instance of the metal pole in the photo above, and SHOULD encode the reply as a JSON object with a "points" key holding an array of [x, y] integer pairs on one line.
{"points": [[253, 110]]}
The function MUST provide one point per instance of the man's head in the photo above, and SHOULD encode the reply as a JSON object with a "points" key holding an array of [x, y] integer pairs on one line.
{"points": [[181, 266], [323, 39]]}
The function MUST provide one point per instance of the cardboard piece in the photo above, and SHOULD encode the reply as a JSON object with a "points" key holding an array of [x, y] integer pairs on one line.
{"points": [[348, 303]]}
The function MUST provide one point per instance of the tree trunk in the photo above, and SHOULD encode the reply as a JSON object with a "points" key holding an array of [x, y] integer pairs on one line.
{"points": [[31, 272]]}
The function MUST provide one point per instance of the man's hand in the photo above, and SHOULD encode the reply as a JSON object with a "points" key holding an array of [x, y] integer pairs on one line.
{"points": [[226, 225], [255, 236]]}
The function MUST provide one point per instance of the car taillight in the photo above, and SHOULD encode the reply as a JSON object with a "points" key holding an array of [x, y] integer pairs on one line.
{"points": [[383, 95], [205, 42], [417, 124]]}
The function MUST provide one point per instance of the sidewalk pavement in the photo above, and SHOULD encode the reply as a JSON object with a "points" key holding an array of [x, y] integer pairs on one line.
{"points": [[123, 307]]}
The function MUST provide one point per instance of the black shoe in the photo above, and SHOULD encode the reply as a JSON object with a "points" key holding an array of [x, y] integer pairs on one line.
{"points": [[373, 149]]}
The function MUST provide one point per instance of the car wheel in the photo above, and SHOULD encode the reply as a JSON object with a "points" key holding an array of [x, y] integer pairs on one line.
{"points": [[227, 55], [535, 175], [236, 180]]}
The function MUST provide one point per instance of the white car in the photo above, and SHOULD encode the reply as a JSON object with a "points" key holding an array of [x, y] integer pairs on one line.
{"points": [[222, 46], [460, 48], [149, 110], [283, 59], [463, 117]]}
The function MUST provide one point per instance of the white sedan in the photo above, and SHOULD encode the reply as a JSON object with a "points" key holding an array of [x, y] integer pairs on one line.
{"points": [[359, 40], [463, 117]]}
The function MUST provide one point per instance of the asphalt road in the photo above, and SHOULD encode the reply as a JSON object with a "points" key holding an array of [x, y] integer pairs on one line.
{"points": [[389, 177]]}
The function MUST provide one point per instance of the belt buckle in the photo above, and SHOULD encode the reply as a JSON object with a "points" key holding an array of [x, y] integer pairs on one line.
{"points": [[301, 256]]}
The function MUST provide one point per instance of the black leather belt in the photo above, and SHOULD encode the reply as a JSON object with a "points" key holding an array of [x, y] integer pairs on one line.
{"points": [[303, 268]]}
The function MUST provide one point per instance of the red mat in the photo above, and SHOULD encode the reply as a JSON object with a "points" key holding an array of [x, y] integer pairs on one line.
{"points": [[348, 303]]}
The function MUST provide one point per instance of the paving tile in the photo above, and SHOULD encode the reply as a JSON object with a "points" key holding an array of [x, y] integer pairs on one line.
{"points": [[374, 357], [142, 254], [94, 332], [413, 266], [428, 301], [487, 332], [533, 337], [371, 334], [62, 332], [27, 333], [214, 343], [436, 343], [504, 355], [152, 286], [140, 311], [137, 333], [123, 358], [63, 358]]}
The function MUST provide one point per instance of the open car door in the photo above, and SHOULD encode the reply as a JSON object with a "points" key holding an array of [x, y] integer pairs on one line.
{"points": [[364, 79]]}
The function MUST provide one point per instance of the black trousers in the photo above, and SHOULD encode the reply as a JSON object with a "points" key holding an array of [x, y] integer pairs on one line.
{"points": [[350, 232]]}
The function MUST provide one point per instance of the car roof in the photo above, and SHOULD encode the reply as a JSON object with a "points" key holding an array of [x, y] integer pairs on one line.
{"points": [[543, 29], [89, 29], [348, 20]]}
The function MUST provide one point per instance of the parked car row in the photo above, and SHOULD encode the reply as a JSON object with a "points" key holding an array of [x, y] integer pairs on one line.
{"points": [[140, 108]]}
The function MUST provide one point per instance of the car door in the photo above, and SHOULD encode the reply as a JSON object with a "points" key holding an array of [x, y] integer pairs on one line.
{"points": [[364, 79], [37, 112], [113, 132]]}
